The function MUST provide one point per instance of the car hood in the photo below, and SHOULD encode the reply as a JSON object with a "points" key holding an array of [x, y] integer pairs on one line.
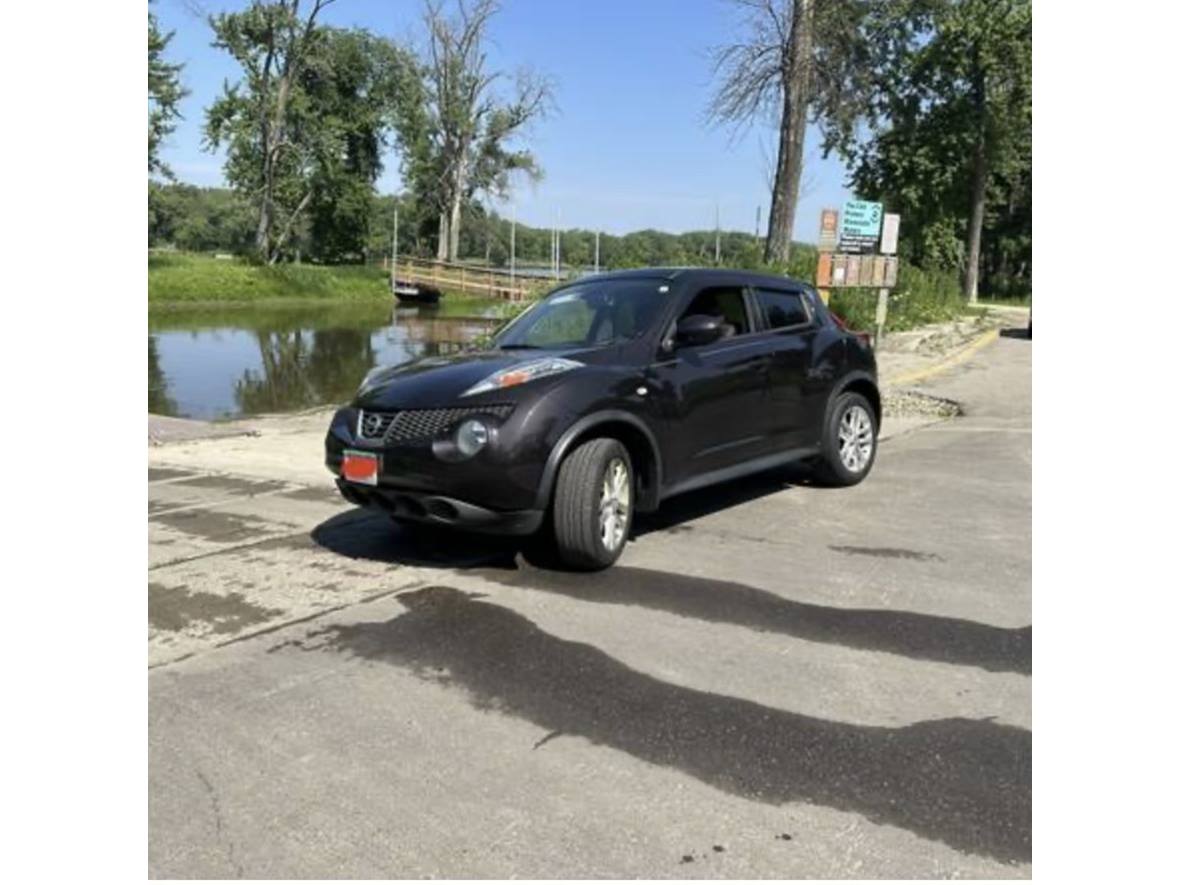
{"points": [[441, 380]]}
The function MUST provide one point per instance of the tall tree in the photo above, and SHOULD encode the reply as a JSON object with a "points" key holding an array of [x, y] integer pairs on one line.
{"points": [[272, 139], [768, 72], [164, 95], [943, 128], [458, 146], [361, 90]]}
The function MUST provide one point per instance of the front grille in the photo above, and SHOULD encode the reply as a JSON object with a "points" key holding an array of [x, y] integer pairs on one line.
{"points": [[411, 424]]}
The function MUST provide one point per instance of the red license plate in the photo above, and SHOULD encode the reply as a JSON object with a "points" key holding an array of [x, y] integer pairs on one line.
{"points": [[360, 467]]}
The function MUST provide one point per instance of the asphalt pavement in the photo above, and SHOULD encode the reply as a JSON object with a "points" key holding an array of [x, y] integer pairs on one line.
{"points": [[776, 680]]}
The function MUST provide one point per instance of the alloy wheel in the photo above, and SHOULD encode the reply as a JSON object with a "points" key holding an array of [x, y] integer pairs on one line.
{"points": [[856, 439], [615, 504]]}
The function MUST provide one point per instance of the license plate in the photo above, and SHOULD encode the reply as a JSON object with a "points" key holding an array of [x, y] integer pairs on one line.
{"points": [[360, 467]]}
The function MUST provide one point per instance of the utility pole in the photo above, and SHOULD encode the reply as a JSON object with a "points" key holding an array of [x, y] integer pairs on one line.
{"points": [[596, 235], [757, 221], [558, 234], [512, 255], [717, 236]]}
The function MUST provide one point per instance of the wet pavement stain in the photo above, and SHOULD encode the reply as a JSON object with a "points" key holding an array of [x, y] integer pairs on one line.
{"points": [[217, 525], [173, 609], [914, 635], [233, 484], [158, 473], [315, 495], [886, 552], [963, 782]]}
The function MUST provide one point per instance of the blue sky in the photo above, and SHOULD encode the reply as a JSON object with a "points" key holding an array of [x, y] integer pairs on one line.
{"points": [[627, 147]]}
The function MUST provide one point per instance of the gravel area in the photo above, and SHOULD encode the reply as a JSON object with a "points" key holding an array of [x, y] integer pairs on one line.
{"points": [[898, 403]]}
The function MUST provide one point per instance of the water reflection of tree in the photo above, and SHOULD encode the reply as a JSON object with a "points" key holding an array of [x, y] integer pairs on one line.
{"points": [[301, 369], [159, 402]]}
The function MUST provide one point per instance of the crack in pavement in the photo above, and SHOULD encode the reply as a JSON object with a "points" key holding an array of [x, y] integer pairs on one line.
{"points": [[222, 835]]}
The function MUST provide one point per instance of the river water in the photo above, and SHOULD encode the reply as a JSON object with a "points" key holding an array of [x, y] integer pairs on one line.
{"points": [[234, 362]]}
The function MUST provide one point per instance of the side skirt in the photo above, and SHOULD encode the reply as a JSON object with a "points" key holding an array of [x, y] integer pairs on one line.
{"points": [[757, 465]]}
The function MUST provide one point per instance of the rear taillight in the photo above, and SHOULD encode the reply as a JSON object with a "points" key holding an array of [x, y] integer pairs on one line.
{"points": [[864, 337]]}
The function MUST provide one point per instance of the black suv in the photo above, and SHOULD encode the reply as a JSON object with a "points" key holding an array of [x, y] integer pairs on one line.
{"points": [[609, 395]]}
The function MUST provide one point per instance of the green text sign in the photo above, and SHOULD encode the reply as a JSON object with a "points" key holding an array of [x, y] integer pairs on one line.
{"points": [[860, 226]]}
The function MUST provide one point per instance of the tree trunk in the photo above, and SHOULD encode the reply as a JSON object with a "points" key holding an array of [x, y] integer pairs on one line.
{"points": [[975, 224], [262, 235], [975, 227], [784, 199], [453, 226], [444, 237]]}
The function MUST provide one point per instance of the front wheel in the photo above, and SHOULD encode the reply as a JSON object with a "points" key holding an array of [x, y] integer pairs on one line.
{"points": [[592, 504], [849, 441]]}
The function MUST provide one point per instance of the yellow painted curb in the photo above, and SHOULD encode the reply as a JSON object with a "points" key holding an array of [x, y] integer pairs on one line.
{"points": [[953, 360]]}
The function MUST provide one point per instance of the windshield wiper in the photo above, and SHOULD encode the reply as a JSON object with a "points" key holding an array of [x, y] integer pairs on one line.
{"points": [[520, 347]]}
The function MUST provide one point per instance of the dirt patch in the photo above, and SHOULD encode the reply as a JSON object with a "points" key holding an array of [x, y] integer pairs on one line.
{"points": [[173, 609]]}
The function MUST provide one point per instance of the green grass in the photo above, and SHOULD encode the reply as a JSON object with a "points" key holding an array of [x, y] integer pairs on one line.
{"points": [[198, 278]]}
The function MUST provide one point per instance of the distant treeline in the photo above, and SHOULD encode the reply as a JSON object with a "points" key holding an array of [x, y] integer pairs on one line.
{"points": [[198, 219]]}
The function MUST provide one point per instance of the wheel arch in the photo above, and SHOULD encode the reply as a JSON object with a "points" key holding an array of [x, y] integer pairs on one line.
{"points": [[629, 430], [862, 383]]}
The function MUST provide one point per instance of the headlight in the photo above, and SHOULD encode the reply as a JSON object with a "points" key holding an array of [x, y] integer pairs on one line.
{"points": [[471, 436], [523, 373], [369, 376]]}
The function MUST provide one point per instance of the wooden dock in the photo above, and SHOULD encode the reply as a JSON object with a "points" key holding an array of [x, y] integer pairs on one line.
{"points": [[487, 282]]}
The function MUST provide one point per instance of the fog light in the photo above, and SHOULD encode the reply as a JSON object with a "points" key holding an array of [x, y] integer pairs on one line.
{"points": [[471, 436]]}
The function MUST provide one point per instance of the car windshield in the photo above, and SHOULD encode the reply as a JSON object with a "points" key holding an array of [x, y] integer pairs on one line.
{"points": [[587, 314]]}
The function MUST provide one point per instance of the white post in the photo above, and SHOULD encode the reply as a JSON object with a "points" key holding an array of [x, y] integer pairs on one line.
{"points": [[393, 264], [882, 313]]}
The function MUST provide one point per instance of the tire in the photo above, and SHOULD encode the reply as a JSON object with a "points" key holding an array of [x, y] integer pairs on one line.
{"points": [[840, 462], [593, 504]]}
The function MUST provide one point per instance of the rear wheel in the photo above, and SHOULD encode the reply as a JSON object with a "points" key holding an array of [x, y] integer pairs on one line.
{"points": [[592, 504], [849, 442]]}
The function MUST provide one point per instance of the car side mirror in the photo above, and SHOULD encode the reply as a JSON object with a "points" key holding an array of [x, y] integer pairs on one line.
{"points": [[698, 329]]}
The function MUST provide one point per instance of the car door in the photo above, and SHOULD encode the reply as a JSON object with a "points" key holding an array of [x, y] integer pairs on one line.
{"points": [[711, 397], [797, 381]]}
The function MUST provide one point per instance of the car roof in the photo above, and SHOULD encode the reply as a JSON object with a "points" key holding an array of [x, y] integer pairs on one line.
{"points": [[695, 275]]}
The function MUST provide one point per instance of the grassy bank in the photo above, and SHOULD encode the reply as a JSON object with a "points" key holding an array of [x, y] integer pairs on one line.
{"points": [[200, 278]]}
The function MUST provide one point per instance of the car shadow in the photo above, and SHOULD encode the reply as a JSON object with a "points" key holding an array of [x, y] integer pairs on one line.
{"points": [[363, 534], [963, 782], [528, 563], [910, 634]]}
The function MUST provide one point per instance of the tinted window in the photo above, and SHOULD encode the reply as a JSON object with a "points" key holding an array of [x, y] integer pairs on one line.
{"points": [[585, 314], [782, 309], [725, 302]]}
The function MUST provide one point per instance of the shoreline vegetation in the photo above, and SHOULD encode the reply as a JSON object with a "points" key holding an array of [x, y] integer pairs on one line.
{"points": [[185, 280]]}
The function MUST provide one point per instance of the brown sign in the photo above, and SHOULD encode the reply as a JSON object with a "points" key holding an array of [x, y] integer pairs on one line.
{"points": [[829, 225]]}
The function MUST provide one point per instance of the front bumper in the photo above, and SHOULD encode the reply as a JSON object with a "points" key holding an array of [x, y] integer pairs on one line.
{"points": [[441, 510], [496, 491]]}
